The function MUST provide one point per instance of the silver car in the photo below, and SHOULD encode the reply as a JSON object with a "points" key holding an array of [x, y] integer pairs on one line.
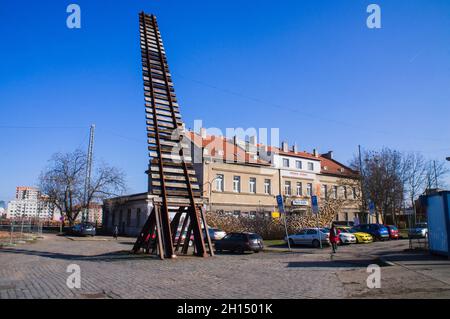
{"points": [[420, 230], [215, 234], [310, 237]]}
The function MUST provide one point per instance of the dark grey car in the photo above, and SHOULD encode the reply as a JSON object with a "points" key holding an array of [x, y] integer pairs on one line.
{"points": [[240, 243], [83, 230]]}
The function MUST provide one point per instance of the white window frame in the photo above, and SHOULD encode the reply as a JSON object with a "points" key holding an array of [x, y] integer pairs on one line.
{"points": [[299, 189], [287, 188], [309, 189], [252, 185], [220, 182], [267, 186], [236, 184]]}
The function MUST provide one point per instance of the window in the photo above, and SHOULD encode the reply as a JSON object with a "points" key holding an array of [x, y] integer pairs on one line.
{"points": [[237, 184], [298, 164], [354, 192], [237, 213], [310, 166], [325, 191], [287, 188], [267, 187], [309, 189], [219, 183], [346, 217], [138, 217], [285, 162], [299, 189], [345, 192], [252, 185], [335, 192], [129, 218]]}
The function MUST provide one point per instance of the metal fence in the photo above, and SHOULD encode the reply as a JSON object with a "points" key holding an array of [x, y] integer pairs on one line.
{"points": [[19, 231]]}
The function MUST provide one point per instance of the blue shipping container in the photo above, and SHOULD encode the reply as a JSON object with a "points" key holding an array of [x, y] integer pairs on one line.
{"points": [[438, 211]]}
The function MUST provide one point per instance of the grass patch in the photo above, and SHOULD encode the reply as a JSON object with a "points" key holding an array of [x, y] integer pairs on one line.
{"points": [[403, 233], [274, 243]]}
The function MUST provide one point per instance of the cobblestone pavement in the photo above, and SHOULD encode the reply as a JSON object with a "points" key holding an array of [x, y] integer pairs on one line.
{"points": [[107, 271]]}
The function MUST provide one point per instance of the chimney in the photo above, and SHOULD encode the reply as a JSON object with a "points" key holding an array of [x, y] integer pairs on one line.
{"points": [[252, 140], [203, 133], [315, 153], [328, 155], [295, 148], [285, 147]]}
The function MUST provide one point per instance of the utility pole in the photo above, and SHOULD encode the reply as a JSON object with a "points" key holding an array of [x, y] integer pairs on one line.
{"points": [[363, 193], [87, 183], [435, 175]]}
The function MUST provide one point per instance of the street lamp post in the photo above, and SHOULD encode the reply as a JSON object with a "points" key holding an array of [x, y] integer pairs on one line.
{"points": [[210, 191]]}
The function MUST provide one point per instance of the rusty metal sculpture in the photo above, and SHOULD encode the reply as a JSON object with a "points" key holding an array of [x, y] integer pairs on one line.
{"points": [[171, 174]]}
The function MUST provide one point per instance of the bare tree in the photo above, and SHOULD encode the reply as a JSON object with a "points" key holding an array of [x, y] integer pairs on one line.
{"points": [[383, 182], [64, 179], [416, 175], [436, 171]]}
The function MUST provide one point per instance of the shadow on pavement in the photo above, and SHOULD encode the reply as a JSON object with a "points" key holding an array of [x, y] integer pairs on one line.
{"points": [[360, 263], [108, 257]]}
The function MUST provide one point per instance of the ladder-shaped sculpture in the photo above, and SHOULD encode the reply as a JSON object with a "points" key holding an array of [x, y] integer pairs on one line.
{"points": [[171, 174]]}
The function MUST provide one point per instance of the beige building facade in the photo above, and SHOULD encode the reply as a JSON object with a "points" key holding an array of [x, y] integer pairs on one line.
{"points": [[244, 179]]}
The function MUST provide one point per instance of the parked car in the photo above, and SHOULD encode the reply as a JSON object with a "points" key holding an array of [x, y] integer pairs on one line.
{"points": [[345, 236], [310, 237], [240, 242], [183, 238], [85, 229], [215, 234], [361, 237], [420, 230], [393, 232], [378, 231]]}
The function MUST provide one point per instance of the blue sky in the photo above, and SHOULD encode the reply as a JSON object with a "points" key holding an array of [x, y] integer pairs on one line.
{"points": [[311, 68]]}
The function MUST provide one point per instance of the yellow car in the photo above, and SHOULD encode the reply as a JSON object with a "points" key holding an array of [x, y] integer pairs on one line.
{"points": [[361, 238]]}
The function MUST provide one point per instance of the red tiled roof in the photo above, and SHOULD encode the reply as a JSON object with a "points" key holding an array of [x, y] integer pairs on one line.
{"points": [[335, 168], [221, 148], [279, 151], [231, 152]]}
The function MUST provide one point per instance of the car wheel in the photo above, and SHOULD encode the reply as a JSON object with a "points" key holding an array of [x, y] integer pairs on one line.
{"points": [[316, 243], [357, 241]]}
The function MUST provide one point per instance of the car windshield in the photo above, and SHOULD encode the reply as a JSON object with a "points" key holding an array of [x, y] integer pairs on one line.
{"points": [[325, 230], [344, 230], [421, 225]]}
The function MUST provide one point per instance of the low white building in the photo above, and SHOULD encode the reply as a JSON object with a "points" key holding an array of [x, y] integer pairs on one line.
{"points": [[127, 213]]}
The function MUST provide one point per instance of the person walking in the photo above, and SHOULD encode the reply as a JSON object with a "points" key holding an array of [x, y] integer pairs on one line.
{"points": [[334, 238], [116, 232]]}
